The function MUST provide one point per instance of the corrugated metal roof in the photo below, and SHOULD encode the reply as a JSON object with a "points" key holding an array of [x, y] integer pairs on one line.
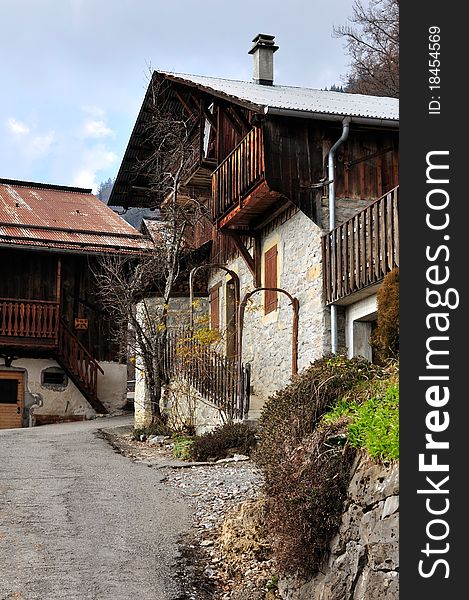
{"points": [[57, 217], [296, 98]]}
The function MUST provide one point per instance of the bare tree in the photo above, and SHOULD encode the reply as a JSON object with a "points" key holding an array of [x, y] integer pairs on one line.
{"points": [[372, 41], [137, 291]]}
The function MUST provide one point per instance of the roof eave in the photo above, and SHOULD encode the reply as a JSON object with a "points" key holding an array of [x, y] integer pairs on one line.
{"points": [[209, 90], [306, 114]]}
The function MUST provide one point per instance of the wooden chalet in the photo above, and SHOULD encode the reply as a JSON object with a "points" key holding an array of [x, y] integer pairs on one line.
{"points": [[52, 328], [259, 157]]}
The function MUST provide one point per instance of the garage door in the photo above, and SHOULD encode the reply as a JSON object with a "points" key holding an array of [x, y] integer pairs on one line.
{"points": [[11, 399]]}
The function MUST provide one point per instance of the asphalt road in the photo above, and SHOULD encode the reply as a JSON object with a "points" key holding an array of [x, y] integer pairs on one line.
{"points": [[80, 522]]}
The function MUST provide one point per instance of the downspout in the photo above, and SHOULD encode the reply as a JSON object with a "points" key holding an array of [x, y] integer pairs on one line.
{"points": [[331, 174]]}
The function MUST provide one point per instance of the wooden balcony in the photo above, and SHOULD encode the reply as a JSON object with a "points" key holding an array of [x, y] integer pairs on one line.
{"points": [[29, 323], [239, 190], [361, 251]]}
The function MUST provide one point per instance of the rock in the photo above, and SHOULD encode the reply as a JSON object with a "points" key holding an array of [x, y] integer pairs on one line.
{"points": [[157, 440], [391, 506]]}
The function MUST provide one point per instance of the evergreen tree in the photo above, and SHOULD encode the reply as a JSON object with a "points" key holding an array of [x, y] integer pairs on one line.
{"points": [[105, 189]]}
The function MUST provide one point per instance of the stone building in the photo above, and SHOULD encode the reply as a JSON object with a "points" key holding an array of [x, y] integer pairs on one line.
{"points": [[301, 191]]}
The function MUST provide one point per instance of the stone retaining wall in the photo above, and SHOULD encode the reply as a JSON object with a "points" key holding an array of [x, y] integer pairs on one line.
{"points": [[364, 559]]}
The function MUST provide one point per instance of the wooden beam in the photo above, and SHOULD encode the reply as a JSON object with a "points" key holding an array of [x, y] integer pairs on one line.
{"points": [[275, 210], [219, 133], [189, 110], [59, 278], [257, 261], [201, 129], [235, 231], [248, 259], [234, 123], [238, 113]]}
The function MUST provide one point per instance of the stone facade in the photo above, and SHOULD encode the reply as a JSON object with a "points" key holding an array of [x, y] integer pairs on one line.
{"points": [[364, 556], [267, 339], [345, 208]]}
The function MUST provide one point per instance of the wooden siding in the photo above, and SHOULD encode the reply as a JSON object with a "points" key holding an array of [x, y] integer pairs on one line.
{"points": [[367, 164], [362, 250], [28, 275], [28, 282], [294, 161]]}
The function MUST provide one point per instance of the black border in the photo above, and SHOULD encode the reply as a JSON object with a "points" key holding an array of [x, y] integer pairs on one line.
{"points": [[420, 133]]}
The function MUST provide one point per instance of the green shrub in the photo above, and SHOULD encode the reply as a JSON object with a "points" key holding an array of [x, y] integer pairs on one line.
{"points": [[293, 412], [372, 425], [182, 448], [305, 462], [385, 338], [224, 441]]}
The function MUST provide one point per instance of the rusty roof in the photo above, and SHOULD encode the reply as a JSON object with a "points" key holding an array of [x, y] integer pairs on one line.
{"points": [[52, 217]]}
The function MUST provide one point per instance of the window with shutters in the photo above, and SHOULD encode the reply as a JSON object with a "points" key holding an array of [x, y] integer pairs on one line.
{"points": [[270, 279], [215, 307]]}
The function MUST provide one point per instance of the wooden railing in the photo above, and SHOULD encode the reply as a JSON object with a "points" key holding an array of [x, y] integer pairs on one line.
{"points": [[33, 320], [362, 250], [238, 174], [213, 375], [79, 363]]}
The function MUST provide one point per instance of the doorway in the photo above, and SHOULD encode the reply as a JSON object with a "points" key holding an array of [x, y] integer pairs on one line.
{"points": [[231, 309], [11, 399]]}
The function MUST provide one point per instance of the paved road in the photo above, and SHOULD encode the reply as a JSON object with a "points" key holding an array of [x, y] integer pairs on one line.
{"points": [[80, 522]]}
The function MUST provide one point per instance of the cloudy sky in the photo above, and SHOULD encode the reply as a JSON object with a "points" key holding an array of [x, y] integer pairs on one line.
{"points": [[73, 72]]}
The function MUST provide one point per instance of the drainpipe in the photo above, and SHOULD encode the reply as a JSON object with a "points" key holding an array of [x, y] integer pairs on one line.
{"points": [[38, 403], [331, 173]]}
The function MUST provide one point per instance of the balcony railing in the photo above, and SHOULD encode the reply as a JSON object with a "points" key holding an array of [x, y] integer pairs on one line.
{"points": [[238, 174], [29, 322], [362, 250]]}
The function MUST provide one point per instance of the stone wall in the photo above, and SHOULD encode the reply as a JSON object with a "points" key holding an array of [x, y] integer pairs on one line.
{"points": [[345, 208], [185, 406], [364, 558], [178, 316], [267, 339]]}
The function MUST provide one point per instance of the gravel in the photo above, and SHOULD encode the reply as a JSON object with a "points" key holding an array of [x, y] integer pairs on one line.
{"points": [[211, 490]]}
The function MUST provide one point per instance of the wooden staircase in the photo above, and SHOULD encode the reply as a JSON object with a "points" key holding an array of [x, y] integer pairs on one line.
{"points": [[81, 367]]}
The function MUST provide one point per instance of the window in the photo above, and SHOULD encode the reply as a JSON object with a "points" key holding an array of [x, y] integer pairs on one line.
{"points": [[8, 391], [270, 278], [215, 307], [54, 377]]}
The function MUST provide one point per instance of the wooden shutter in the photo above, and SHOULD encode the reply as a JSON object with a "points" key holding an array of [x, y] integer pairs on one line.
{"points": [[215, 307], [270, 269]]}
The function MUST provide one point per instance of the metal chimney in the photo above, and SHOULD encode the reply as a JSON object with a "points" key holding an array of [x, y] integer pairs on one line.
{"points": [[263, 58]]}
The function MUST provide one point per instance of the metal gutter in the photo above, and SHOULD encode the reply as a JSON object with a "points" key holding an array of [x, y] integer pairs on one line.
{"points": [[305, 114]]}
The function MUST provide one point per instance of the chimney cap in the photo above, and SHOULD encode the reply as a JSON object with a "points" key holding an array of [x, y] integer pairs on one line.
{"points": [[263, 40]]}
